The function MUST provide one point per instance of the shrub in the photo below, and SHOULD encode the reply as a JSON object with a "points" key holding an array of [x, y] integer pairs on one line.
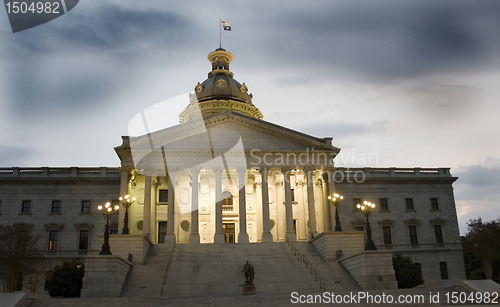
{"points": [[66, 280], [408, 274]]}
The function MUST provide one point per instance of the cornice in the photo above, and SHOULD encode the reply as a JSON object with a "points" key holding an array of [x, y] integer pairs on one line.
{"points": [[61, 180]]}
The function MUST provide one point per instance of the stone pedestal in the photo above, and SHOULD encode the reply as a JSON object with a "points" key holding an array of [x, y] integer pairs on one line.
{"points": [[219, 238], [248, 290], [104, 276], [334, 245], [267, 237], [372, 270]]}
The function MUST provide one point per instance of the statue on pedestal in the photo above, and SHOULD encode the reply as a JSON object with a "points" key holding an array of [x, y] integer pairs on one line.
{"points": [[249, 273]]}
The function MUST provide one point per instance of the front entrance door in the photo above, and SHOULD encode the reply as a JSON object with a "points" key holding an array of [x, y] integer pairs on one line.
{"points": [[228, 229], [162, 231]]}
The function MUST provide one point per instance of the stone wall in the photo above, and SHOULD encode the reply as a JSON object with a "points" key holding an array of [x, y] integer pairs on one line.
{"points": [[123, 245], [349, 243], [104, 276], [372, 270]]}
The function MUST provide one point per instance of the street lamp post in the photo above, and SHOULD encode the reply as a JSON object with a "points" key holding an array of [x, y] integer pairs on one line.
{"points": [[366, 208], [126, 201], [335, 200], [107, 210]]}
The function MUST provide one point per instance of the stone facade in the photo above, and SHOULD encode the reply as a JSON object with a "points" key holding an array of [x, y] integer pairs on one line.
{"points": [[225, 175]]}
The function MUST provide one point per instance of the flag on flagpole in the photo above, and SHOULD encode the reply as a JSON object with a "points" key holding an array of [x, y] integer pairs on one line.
{"points": [[226, 26]]}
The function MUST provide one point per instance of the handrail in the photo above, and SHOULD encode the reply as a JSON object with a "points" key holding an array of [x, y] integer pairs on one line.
{"points": [[169, 262], [303, 258]]}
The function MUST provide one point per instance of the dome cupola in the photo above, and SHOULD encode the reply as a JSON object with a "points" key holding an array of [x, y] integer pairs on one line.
{"points": [[220, 92]]}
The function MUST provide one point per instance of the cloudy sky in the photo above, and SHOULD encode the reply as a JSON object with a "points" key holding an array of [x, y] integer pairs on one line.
{"points": [[414, 83]]}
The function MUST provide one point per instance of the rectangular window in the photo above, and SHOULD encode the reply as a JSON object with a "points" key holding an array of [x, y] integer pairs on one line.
{"points": [[53, 237], [292, 192], [438, 232], [163, 196], [56, 206], [444, 270], [359, 228], [86, 206], [409, 204], [113, 229], [83, 243], [383, 204], [295, 226], [413, 234], [26, 207], [386, 230], [434, 204]]}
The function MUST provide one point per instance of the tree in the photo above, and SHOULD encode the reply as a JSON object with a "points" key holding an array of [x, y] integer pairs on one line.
{"points": [[19, 254], [66, 280], [408, 274], [483, 242]]}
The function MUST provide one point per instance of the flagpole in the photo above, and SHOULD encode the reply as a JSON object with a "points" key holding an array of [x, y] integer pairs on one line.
{"points": [[220, 33]]}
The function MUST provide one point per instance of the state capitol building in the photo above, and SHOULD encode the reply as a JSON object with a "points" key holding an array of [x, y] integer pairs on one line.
{"points": [[225, 177]]}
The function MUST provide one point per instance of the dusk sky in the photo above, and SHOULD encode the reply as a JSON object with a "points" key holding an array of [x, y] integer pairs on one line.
{"points": [[411, 83]]}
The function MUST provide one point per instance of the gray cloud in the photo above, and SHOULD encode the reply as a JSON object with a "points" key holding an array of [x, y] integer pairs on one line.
{"points": [[479, 181], [80, 61], [106, 26], [386, 40], [345, 129], [379, 41], [15, 155]]}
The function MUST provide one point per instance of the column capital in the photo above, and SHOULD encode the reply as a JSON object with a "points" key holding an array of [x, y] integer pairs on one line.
{"points": [[243, 170], [328, 169], [217, 169], [309, 168], [264, 169], [195, 169], [286, 169]]}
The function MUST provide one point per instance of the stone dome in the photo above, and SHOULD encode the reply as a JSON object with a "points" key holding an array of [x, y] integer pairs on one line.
{"points": [[220, 92]]}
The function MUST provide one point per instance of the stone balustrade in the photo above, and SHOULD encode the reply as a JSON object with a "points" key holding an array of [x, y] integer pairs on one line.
{"points": [[58, 172]]}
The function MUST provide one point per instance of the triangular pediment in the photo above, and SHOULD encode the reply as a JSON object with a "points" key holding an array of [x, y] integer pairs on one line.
{"points": [[222, 132]]}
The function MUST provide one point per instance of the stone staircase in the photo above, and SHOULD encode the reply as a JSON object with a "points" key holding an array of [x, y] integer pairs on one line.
{"points": [[147, 280], [331, 274], [214, 270], [210, 275]]}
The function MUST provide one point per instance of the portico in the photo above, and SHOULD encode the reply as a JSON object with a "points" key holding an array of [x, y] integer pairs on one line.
{"points": [[228, 174], [263, 204]]}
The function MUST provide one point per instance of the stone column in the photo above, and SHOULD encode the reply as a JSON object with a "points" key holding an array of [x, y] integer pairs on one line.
{"points": [[290, 236], [195, 235], [170, 236], [310, 203], [219, 233], [327, 191], [266, 227], [123, 191], [243, 235], [146, 214]]}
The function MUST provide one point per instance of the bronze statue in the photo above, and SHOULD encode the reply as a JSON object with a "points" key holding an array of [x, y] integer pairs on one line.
{"points": [[249, 273]]}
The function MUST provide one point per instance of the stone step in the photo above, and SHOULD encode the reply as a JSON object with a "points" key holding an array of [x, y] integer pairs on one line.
{"points": [[147, 280], [332, 273], [214, 270]]}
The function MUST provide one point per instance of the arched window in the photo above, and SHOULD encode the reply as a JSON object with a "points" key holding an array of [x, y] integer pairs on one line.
{"points": [[227, 201]]}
